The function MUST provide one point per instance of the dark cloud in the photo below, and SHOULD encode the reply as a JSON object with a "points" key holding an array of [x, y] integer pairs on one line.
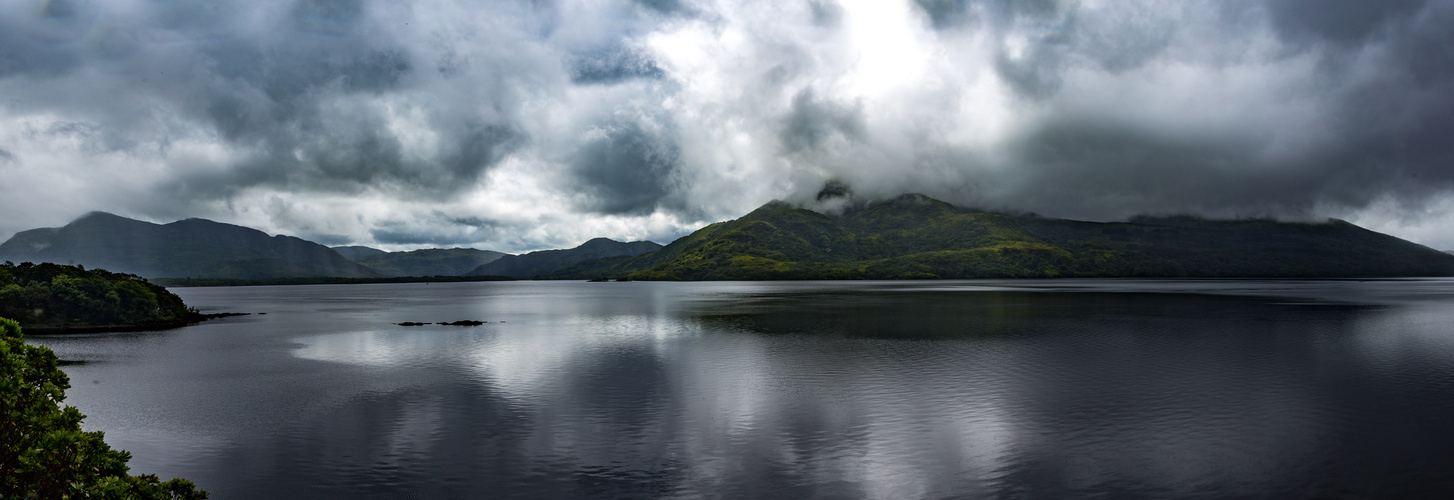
{"points": [[1037, 76], [474, 222], [1125, 169], [86, 137], [333, 17], [629, 169], [1041, 39], [1341, 21], [1069, 164], [953, 14], [945, 14], [1044, 34], [614, 66], [826, 13], [296, 100], [43, 43], [662, 6], [478, 147], [348, 160], [405, 236], [439, 230], [518, 115], [811, 121], [1374, 58]]}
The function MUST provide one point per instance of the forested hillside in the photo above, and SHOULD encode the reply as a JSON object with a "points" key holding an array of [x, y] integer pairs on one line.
{"points": [[914, 236], [57, 295]]}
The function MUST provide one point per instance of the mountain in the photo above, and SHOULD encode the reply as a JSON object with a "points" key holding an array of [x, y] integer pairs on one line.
{"points": [[545, 262], [196, 248], [354, 253], [914, 236], [430, 262]]}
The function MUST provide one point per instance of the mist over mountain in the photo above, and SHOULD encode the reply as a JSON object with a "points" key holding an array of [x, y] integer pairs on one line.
{"points": [[195, 248]]}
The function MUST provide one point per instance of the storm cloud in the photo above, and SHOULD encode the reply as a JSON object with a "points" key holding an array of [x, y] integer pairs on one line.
{"points": [[527, 124]]}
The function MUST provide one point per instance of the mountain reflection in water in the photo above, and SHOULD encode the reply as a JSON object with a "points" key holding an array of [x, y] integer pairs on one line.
{"points": [[1216, 388]]}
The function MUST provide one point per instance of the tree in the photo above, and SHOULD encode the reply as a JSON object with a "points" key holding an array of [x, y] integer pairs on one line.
{"points": [[48, 294], [43, 451]]}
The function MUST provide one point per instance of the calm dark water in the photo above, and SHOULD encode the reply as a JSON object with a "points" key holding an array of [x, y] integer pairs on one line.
{"points": [[967, 389]]}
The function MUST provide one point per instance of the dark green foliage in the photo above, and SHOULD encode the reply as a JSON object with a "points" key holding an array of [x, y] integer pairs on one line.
{"points": [[56, 295], [545, 262], [43, 451], [430, 262], [915, 237]]}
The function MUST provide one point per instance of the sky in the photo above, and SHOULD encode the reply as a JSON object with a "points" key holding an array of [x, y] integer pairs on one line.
{"points": [[532, 124]]}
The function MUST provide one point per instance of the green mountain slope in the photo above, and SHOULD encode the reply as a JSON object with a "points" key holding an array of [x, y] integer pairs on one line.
{"points": [[914, 236], [354, 253], [195, 248], [545, 262], [430, 262]]}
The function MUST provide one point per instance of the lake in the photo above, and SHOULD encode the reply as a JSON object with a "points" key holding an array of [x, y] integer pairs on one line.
{"points": [[917, 389]]}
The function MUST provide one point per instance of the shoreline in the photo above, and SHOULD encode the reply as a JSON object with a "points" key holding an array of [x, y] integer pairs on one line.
{"points": [[123, 327], [200, 282]]}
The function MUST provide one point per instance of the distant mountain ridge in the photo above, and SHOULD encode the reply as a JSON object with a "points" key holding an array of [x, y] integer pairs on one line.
{"points": [[914, 236], [430, 261], [911, 236], [545, 262], [196, 248], [355, 252]]}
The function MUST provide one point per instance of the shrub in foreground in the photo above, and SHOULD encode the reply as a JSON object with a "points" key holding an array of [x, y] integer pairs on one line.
{"points": [[43, 451]]}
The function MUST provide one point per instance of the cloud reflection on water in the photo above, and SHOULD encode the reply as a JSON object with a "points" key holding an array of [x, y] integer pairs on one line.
{"points": [[606, 392], [871, 390]]}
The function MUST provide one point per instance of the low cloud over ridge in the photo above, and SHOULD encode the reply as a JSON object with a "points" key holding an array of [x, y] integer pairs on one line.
{"points": [[518, 125]]}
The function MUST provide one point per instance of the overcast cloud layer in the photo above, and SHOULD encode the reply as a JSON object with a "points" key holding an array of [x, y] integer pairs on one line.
{"points": [[519, 125]]}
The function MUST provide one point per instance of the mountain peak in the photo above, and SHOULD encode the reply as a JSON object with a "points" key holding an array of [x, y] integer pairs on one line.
{"points": [[96, 221], [98, 214], [101, 217], [597, 242]]}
